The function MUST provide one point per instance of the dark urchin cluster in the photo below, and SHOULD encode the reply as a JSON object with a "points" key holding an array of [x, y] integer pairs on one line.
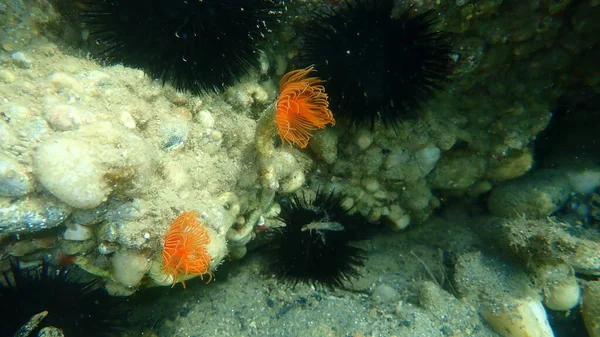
{"points": [[79, 309], [195, 45], [314, 246], [378, 65]]}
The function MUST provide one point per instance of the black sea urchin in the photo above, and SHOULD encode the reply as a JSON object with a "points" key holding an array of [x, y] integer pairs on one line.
{"points": [[79, 309], [378, 65], [313, 247], [195, 45]]}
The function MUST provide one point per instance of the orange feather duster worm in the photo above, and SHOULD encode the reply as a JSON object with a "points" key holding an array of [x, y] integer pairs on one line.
{"points": [[185, 248], [302, 107]]}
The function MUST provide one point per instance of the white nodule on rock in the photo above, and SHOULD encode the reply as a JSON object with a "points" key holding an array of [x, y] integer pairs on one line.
{"points": [[398, 218], [400, 164], [62, 117], [217, 249], [173, 132], [18, 112], [511, 167], [293, 182], [324, 145], [7, 136], [457, 170], [562, 297], [273, 211], [117, 289], [246, 94], [371, 184], [105, 248], [479, 188], [348, 203], [397, 158], [374, 214], [67, 168], [98, 78], [427, 158], [62, 81], [21, 60], [205, 118], [240, 236], [521, 318], [7, 76], [176, 176], [127, 120], [264, 63], [363, 139], [280, 65], [384, 293], [158, 275], [129, 267], [237, 252], [14, 181], [584, 182], [560, 287], [77, 232]]}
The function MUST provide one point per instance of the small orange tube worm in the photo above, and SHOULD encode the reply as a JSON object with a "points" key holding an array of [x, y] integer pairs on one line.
{"points": [[185, 248], [302, 107]]}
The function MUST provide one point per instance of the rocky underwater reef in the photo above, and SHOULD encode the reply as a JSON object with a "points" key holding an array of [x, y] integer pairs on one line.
{"points": [[300, 168]]}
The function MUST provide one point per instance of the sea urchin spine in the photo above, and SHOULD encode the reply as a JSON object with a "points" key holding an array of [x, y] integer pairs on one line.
{"points": [[195, 45], [315, 244], [378, 65], [75, 307]]}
